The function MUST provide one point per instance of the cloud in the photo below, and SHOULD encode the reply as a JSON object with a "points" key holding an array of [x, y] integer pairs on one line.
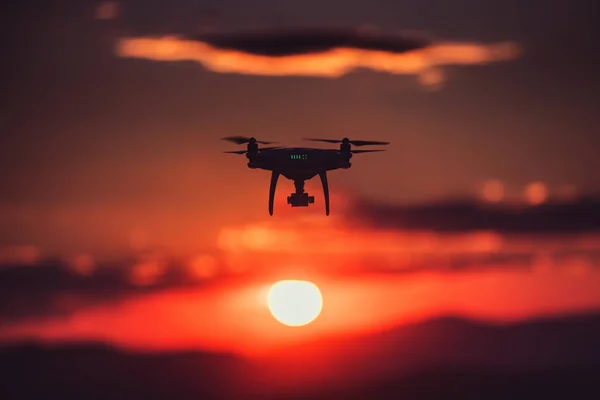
{"points": [[364, 248], [360, 239], [60, 287], [318, 53], [289, 43], [581, 216]]}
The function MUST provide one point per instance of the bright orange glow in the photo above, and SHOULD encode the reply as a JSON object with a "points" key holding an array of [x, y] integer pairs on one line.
{"points": [[328, 64], [536, 193], [493, 191], [331, 237], [235, 316], [295, 303], [203, 267], [370, 280], [148, 271]]}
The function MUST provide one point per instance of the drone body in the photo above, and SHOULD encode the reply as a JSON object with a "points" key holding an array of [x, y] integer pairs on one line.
{"points": [[299, 164]]}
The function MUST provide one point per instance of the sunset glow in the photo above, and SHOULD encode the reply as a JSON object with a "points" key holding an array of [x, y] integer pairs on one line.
{"points": [[536, 193], [328, 64], [156, 241]]}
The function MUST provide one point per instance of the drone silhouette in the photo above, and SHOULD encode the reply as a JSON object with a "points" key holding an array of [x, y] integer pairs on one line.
{"points": [[299, 164]]}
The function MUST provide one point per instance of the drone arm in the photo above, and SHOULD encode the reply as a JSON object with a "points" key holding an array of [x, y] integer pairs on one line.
{"points": [[274, 177], [323, 176]]}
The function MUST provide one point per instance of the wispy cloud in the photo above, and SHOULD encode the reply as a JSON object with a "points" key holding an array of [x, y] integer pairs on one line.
{"points": [[318, 53]]}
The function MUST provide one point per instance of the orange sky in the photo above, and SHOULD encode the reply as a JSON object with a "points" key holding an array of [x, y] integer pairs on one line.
{"points": [[235, 317], [111, 151], [231, 314]]}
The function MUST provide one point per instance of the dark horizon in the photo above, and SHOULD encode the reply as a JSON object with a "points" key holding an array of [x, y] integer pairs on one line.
{"points": [[499, 360]]}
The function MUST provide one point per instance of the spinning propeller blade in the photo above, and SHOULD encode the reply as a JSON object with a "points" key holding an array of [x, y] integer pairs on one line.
{"points": [[269, 148], [244, 140], [367, 143], [245, 151], [323, 140], [363, 151], [352, 142], [236, 152]]}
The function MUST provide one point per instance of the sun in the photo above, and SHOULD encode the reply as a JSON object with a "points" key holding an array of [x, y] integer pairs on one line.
{"points": [[295, 303]]}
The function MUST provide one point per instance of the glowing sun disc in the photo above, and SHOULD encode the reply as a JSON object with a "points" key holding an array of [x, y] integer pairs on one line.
{"points": [[295, 303]]}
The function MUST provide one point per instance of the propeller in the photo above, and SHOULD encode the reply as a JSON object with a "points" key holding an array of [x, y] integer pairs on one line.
{"points": [[346, 140], [270, 148], [245, 151], [363, 151], [367, 143], [244, 140], [323, 140]]}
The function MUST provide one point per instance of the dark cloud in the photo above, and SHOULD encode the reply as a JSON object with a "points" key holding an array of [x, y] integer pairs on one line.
{"points": [[305, 41], [53, 287], [459, 216]]}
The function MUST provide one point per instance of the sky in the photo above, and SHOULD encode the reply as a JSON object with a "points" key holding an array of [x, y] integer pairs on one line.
{"points": [[90, 136], [117, 201]]}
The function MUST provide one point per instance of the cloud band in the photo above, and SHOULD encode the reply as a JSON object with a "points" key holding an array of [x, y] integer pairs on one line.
{"points": [[316, 55]]}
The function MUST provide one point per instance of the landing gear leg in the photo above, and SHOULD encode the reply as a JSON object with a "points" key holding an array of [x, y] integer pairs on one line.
{"points": [[323, 176], [274, 177]]}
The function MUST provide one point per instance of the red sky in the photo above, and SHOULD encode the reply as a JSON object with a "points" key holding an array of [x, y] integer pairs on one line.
{"points": [[104, 156], [236, 318], [364, 276]]}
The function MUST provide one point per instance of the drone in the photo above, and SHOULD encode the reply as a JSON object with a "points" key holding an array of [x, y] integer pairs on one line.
{"points": [[299, 164]]}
